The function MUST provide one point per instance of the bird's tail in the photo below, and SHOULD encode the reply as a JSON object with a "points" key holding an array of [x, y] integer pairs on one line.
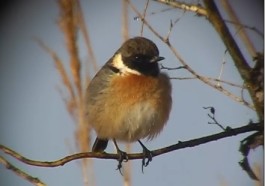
{"points": [[100, 145]]}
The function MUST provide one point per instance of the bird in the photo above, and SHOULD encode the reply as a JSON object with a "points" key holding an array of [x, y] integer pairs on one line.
{"points": [[129, 99]]}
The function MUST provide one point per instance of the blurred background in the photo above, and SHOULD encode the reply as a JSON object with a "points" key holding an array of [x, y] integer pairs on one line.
{"points": [[36, 119]]}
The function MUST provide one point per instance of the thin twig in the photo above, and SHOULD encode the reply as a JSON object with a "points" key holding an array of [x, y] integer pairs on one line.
{"points": [[211, 79], [160, 11], [212, 117], [172, 24], [172, 68], [144, 14], [198, 9], [254, 29], [221, 72]]}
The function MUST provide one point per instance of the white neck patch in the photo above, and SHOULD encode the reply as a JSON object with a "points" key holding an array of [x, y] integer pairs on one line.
{"points": [[118, 63]]}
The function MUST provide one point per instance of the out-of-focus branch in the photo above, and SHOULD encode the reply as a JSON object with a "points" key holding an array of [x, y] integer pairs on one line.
{"points": [[127, 176], [71, 19], [241, 30], [84, 30], [71, 103], [68, 26], [198, 9], [20, 173], [179, 145], [125, 22], [254, 29]]}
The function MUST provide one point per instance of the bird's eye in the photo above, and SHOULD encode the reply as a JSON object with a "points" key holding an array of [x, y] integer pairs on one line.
{"points": [[137, 58]]}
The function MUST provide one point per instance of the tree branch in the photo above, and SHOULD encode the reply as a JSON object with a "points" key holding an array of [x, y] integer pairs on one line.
{"points": [[240, 62], [198, 9], [179, 145], [20, 173]]}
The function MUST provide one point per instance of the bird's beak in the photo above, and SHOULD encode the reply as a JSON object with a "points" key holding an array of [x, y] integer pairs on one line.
{"points": [[156, 59]]}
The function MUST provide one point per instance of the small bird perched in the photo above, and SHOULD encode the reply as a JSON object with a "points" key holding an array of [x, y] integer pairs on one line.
{"points": [[129, 99]]}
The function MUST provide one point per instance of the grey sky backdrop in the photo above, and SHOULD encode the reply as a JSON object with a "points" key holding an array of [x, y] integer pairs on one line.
{"points": [[35, 122]]}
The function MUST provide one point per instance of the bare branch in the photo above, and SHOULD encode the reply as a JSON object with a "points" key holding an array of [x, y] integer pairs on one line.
{"points": [[180, 145], [171, 68], [198, 9], [139, 15], [240, 62], [221, 72], [20, 173], [212, 117], [172, 24], [206, 81], [211, 79], [161, 11], [144, 14]]}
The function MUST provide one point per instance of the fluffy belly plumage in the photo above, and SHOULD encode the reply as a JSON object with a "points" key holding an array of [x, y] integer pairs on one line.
{"points": [[139, 113]]}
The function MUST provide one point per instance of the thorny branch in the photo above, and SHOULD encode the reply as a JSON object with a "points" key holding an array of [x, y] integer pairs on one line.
{"points": [[180, 145]]}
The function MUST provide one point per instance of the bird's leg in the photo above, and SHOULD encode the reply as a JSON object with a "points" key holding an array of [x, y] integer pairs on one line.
{"points": [[122, 156], [147, 155]]}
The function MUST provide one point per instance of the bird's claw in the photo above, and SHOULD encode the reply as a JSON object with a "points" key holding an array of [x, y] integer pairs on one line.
{"points": [[123, 157], [148, 155]]}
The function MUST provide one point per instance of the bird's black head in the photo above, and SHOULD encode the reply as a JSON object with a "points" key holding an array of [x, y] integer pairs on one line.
{"points": [[140, 54]]}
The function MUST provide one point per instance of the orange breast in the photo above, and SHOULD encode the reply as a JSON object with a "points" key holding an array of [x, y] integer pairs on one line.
{"points": [[134, 88]]}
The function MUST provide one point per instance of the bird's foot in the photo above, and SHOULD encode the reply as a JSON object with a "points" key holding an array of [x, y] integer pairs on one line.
{"points": [[148, 156], [122, 157]]}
